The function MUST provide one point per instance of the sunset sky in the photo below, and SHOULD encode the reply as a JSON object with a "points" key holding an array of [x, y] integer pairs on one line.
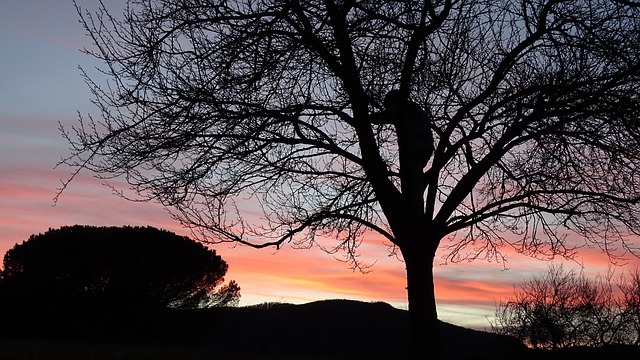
{"points": [[40, 85]]}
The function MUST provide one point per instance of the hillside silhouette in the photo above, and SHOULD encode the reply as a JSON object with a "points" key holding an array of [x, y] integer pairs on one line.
{"points": [[346, 329], [333, 329], [342, 329], [329, 329]]}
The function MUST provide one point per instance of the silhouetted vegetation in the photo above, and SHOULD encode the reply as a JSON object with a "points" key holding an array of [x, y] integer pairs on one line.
{"points": [[114, 267], [214, 107], [561, 309], [333, 329]]}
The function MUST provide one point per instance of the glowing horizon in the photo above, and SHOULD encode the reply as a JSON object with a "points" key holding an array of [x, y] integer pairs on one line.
{"points": [[466, 293]]}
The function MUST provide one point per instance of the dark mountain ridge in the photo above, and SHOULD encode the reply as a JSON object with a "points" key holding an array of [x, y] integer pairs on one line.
{"points": [[343, 329]]}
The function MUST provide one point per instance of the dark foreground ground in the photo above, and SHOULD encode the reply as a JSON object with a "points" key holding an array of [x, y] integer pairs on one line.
{"points": [[334, 329]]}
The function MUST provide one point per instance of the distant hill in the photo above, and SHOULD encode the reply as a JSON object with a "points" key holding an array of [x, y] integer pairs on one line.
{"points": [[331, 329], [343, 329]]}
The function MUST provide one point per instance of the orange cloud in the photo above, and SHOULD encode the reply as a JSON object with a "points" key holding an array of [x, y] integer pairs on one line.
{"points": [[310, 272]]}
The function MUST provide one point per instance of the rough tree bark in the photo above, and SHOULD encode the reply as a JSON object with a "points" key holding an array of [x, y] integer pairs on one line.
{"points": [[423, 316]]}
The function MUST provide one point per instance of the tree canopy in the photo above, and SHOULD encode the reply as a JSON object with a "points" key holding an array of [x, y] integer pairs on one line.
{"points": [[221, 109], [534, 103], [117, 267]]}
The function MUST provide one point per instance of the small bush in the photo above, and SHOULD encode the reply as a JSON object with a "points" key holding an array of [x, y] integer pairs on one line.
{"points": [[562, 309]]}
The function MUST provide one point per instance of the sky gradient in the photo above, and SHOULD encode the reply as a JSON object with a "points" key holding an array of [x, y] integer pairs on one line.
{"points": [[41, 86]]}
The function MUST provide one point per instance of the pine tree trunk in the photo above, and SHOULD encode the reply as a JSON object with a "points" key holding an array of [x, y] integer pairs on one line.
{"points": [[425, 330]]}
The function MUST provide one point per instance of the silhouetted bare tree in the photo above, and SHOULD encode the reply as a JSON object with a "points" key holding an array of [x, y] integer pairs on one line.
{"points": [[217, 109], [630, 288], [561, 309]]}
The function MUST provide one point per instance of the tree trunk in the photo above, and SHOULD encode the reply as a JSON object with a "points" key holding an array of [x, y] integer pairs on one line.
{"points": [[426, 338]]}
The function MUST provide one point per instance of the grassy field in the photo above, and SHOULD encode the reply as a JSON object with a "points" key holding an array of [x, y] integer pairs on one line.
{"points": [[51, 350]]}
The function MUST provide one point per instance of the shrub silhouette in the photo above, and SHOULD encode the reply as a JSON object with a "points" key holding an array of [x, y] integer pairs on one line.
{"points": [[561, 309], [114, 267]]}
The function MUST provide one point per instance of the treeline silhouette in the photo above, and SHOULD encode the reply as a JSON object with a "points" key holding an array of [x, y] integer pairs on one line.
{"points": [[108, 283]]}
